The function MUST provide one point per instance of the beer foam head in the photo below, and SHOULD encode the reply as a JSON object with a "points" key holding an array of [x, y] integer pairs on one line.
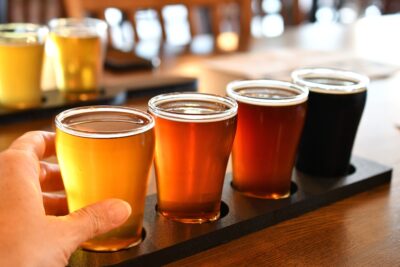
{"points": [[22, 34], [104, 121], [193, 107], [267, 92], [330, 81], [78, 28]]}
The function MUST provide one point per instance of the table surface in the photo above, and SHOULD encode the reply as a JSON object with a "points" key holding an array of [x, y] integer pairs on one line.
{"points": [[363, 230]]}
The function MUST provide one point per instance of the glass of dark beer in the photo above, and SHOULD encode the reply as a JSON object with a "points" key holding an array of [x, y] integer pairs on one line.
{"points": [[335, 106], [270, 120], [194, 137]]}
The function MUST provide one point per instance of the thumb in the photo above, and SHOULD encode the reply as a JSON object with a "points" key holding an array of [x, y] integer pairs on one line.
{"points": [[94, 220]]}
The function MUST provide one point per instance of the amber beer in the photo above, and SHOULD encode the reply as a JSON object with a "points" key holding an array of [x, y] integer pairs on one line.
{"points": [[21, 58], [270, 120], [106, 152], [78, 46], [335, 106], [194, 135]]}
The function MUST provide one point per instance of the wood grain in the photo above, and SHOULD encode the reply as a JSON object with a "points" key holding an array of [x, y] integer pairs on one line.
{"points": [[363, 230]]}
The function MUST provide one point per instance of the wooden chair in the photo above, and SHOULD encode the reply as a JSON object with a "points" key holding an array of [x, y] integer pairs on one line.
{"points": [[96, 8], [290, 11], [35, 11]]}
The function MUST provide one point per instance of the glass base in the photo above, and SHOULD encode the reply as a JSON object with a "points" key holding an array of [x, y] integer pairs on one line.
{"points": [[81, 95], [184, 218], [111, 244], [263, 195]]}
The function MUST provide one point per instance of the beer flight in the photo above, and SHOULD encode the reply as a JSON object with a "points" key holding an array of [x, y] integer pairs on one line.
{"points": [[269, 126], [76, 48]]}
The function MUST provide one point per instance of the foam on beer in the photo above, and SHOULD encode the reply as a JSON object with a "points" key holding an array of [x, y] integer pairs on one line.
{"points": [[77, 28], [267, 92], [330, 81], [104, 122], [192, 107]]}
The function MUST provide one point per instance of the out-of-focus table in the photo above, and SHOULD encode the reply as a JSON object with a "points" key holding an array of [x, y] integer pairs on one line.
{"points": [[363, 230]]}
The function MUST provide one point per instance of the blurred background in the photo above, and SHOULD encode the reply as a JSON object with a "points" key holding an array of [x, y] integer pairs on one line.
{"points": [[144, 25]]}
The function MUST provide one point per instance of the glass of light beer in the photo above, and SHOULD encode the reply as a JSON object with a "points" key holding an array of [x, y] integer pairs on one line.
{"points": [[335, 106], [78, 51], [270, 120], [194, 134], [21, 58], [106, 152]]}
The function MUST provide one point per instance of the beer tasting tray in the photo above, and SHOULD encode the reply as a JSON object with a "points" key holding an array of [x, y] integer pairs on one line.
{"points": [[167, 241]]}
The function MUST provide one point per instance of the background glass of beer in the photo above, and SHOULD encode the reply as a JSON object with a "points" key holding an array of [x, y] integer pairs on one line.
{"points": [[335, 107], [106, 152], [21, 58], [194, 134], [78, 50], [270, 120]]}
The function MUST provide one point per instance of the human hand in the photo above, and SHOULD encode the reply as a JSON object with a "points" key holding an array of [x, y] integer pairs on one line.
{"points": [[29, 237]]}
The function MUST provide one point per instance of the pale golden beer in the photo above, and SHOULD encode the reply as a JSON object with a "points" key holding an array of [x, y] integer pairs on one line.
{"points": [[21, 58], [106, 152], [78, 52]]}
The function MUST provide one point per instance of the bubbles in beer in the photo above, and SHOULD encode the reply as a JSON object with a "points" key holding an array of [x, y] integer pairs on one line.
{"points": [[330, 81], [73, 32], [267, 93], [105, 122], [193, 107]]}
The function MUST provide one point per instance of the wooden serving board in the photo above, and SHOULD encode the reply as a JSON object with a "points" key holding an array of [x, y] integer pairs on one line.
{"points": [[166, 241]]}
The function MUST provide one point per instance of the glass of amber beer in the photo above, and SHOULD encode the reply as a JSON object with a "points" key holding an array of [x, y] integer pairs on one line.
{"points": [[270, 120], [335, 106], [106, 152], [21, 58], [78, 50], [194, 134]]}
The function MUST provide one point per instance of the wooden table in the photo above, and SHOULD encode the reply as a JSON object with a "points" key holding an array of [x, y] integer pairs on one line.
{"points": [[363, 230]]}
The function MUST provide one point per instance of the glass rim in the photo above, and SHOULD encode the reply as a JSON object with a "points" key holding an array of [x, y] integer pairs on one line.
{"points": [[361, 81], [232, 88], [92, 109], [230, 112], [30, 30], [65, 22]]}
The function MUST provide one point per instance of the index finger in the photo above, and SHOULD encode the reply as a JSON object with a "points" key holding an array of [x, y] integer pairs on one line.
{"points": [[39, 143]]}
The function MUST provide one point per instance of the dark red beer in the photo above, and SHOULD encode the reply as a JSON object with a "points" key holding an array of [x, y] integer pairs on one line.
{"points": [[270, 121], [194, 137]]}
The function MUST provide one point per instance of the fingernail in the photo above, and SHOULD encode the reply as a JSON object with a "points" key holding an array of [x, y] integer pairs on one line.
{"points": [[119, 211]]}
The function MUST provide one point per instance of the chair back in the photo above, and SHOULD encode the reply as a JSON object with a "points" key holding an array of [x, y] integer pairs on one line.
{"points": [[214, 12]]}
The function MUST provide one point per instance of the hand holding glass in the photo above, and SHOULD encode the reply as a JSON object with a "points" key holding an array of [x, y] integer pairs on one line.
{"points": [[106, 152]]}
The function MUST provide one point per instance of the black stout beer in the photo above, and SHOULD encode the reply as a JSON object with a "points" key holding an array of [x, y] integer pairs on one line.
{"points": [[335, 106]]}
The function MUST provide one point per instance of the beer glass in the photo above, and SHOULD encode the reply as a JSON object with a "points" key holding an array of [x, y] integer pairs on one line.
{"points": [[106, 152], [21, 58], [78, 50], [194, 134], [335, 107], [270, 120]]}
